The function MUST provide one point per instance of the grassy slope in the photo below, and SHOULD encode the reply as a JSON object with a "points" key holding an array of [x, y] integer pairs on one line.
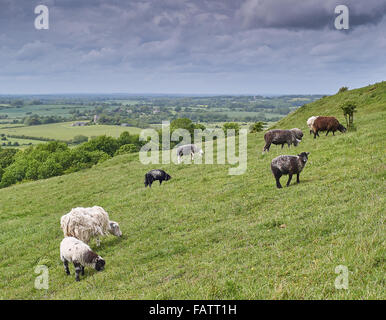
{"points": [[208, 235]]}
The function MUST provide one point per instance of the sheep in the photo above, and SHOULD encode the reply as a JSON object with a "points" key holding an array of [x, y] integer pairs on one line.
{"points": [[80, 254], [288, 165], [327, 124], [282, 137], [156, 174], [310, 122], [85, 223], [188, 149]]}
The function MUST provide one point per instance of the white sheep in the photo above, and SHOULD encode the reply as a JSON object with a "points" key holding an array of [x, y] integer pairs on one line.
{"points": [[310, 122], [85, 223], [80, 254]]}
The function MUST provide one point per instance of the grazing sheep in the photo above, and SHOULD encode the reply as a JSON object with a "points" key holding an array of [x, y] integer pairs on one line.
{"points": [[282, 137], [327, 124], [188, 149], [288, 165], [85, 223], [156, 174], [80, 254], [310, 122]]}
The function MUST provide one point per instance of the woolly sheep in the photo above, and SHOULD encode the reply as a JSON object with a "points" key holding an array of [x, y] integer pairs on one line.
{"points": [[327, 124], [85, 223], [188, 149], [282, 137], [290, 165], [80, 254]]}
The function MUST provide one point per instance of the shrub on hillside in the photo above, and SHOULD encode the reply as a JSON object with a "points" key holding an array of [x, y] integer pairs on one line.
{"points": [[231, 126], [257, 127], [106, 144], [127, 148]]}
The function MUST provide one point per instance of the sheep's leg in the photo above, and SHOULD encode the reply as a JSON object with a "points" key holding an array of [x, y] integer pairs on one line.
{"points": [[65, 262], [277, 175], [297, 177], [333, 133], [289, 180], [78, 269], [82, 271], [98, 242], [160, 182], [266, 147], [327, 132]]}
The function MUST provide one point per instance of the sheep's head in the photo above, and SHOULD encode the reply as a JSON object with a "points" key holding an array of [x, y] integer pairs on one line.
{"points": [[341, 128], [298, 133], [167, 177], [303, 156], [114, 229], [99, 264]]}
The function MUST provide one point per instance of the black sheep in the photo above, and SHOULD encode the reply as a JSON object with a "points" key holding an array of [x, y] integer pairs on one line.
{"points": [[156, 174], [288, 165]]}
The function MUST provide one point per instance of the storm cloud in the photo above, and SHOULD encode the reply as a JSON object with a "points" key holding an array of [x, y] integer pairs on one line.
{"points": [[181, 46]]}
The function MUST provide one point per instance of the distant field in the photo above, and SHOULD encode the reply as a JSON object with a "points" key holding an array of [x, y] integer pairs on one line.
{"points": [[41, 110], [64, 131]]}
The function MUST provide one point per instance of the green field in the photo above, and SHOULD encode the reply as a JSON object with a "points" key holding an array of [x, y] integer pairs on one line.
{"points": [[208, 235], [64, 131]]}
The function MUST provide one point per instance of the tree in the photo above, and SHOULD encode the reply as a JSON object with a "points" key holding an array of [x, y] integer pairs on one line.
{"points": [[257, 127], [343, 89], [231, 126], [79, 139], [348, 109]]}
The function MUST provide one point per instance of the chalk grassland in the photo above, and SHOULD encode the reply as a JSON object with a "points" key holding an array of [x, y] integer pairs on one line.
{"points": [[207, 235], [64, 131]]}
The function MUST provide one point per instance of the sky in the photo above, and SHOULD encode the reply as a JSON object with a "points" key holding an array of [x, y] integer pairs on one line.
{"points": [[191, 46]]}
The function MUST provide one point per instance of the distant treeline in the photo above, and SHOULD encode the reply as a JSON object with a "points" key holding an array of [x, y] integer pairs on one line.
{"points": [[57, 158]]}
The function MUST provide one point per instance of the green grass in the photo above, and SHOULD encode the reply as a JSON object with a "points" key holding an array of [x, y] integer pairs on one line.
{"points": [[207, 235], [64, 131]]}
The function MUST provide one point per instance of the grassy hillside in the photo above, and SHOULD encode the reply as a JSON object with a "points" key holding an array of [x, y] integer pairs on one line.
{"points": [[208, 235]]}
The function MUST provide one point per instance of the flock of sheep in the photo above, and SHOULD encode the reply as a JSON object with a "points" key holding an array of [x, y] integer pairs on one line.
{"points": [[284, 164], [80, 225]]}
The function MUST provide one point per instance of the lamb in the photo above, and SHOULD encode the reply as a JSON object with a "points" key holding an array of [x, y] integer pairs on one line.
{"points": [[188, 149], [288, 165], [80, 254], [310, 122], [85, 223], [293, 136], [156, 174], [327, 124]]}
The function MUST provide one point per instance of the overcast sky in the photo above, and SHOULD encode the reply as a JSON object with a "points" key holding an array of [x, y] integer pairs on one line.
{"points": [[191, 46]]}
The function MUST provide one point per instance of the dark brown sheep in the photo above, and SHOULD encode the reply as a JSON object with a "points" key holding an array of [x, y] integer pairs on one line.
{"points": [[326, 124], [293, 136]]}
